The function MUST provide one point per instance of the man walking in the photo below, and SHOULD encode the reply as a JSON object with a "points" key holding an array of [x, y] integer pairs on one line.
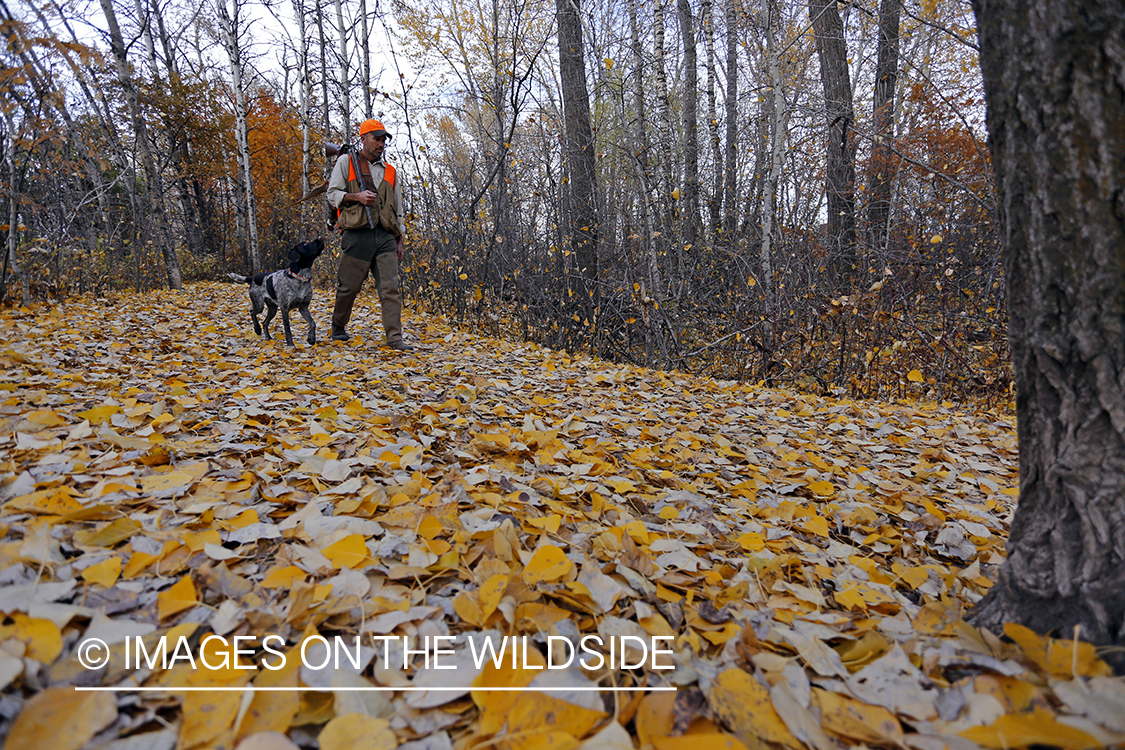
{"points": [[369, 197]]}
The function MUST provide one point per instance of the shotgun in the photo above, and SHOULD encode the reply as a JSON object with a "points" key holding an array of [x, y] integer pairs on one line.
{"points": [[362, 181]]}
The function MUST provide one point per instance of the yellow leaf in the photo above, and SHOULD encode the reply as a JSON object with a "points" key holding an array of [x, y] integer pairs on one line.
{"points": [[104, 573], [752, 541], [429, 528], [61, 718], [1019, 730], [357, 732], [655, 717], [914, 376], [496, 706], [165, 481], [180, 596], [669, 513], [816, 525], [99, 414], [41, 637], [822, 488], [468, 609], [545, 722], [676, 193], [1057, 658], [744, 704], [935, 240], [463, 276], [701, 741], [549, 563], [109, 535], [208, 716], [489, 595], [550, 523], [850, 718], [197, 540], [283, 577], [349, 552]]}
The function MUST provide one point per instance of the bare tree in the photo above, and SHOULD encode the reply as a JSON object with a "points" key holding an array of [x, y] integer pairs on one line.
{"points": [[155, 191], [886, 78], [583, 224], [839, 110]]}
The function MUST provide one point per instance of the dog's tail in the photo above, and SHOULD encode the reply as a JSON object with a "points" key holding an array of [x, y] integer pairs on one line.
{"points": [[240, 279]]}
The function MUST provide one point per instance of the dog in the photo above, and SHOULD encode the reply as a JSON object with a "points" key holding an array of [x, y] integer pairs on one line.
{"points": [[285, 290]]}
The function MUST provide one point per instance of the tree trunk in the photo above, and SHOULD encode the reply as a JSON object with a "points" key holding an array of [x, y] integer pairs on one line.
{"points": [[345, 93], [828, 30], [882, 167], [304, 102], [1054, 80], [730, 166], [365, 53], [664, 117], [778, 121], [640, 151], [583, 224], [229, 23], [715, 199], [154, 192], [691, 125]]}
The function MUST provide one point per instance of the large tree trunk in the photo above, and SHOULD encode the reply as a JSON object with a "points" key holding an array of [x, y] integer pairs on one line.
{"points": [[1054, 78], [882, 165], [583, 223], [832, 52]]}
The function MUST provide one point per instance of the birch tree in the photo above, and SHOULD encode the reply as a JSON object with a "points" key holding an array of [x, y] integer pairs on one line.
{"points": [[230, 28]]}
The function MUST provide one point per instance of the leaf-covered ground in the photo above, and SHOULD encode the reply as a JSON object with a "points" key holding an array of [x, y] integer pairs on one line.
{"points": [[167, 473]]}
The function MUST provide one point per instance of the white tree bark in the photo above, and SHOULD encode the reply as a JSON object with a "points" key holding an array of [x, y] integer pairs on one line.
{"points": [[229, 26]]}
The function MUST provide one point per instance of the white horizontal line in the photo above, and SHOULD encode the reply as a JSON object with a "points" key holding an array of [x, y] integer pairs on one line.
{"points": [[373, 688]]}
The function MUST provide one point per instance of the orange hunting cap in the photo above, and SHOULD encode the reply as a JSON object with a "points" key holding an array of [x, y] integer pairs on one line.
{"points": [[373, 126]]}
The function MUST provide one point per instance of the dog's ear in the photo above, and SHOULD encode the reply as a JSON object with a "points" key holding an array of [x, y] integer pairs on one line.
{"points": [[315, 248], [294, 254]]}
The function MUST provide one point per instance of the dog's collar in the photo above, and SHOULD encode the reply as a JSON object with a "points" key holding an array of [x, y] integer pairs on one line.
{"points": [[296, 275]]}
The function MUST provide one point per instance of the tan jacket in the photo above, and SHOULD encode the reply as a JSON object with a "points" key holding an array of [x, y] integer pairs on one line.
{"points": [[384, 181]]}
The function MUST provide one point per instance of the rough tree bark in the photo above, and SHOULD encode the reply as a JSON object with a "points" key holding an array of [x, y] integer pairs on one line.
{"points": [[583, 222], [1054, 80], [832, 52]]}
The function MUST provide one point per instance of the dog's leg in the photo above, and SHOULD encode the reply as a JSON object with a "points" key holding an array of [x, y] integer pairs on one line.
{"points": [[285, 324], [304, 310], [269, 316], [254, 310]]}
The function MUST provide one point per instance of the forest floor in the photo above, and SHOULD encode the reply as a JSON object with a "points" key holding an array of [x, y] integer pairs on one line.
{"points": [[168, 477]]}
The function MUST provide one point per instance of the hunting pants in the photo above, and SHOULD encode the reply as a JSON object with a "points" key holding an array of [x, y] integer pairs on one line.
{"points": [[369, 251]]}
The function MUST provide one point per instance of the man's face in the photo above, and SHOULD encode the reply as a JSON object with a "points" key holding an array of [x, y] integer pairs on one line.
{"points": [[374, 145]]}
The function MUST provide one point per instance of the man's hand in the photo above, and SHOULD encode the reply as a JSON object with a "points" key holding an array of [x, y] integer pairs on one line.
{"points": [[366, 197], [398, 248]]}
